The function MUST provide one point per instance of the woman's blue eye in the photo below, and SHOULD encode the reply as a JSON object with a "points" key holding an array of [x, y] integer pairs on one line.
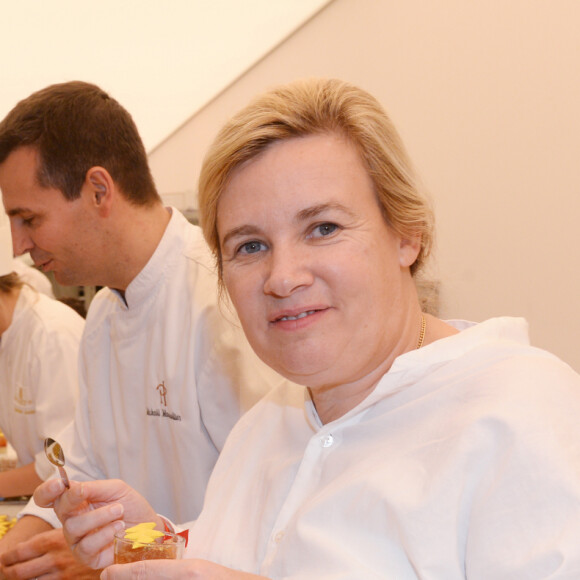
{"points": [[326, 229], [250, 247]]}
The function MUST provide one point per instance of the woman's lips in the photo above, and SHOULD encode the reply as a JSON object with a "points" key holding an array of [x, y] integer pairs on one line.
{"points": [[297, 318]]}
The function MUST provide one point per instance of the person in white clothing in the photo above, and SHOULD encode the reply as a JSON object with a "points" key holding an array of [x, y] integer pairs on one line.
{"points": [[39, 343], [418, 448], [164, 372]]}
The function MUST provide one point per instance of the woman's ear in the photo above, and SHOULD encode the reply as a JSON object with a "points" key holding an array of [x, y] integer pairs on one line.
{"points": [[409, 249], [100, 186]]}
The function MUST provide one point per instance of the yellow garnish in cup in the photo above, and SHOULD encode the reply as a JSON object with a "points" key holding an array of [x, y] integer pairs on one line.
{"points": [[142, 534], [5, 524]]}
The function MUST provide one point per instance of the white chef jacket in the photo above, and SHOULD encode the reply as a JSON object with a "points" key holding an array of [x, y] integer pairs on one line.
{"points": [[38, 374], [165, 374], [463, 463]]}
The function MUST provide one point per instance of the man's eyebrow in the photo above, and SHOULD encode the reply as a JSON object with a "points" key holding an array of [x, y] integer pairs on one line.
{"points": [[17, 211]]}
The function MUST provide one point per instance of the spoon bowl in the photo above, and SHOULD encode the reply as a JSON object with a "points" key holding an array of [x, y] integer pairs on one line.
{"points": [[55, 455]]}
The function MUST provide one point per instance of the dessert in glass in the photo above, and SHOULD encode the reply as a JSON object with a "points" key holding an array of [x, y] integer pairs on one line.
{"points": [[142, 542]]}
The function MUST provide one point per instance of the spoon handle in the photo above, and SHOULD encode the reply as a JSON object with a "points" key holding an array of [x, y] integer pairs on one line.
{"points": [[64, 477]]}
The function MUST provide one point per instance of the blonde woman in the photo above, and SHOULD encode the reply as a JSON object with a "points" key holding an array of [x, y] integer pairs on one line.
{"points": [[417, 448]]}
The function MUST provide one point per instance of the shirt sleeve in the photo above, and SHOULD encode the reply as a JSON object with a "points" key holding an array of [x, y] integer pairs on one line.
{"points": [[525, 520]]}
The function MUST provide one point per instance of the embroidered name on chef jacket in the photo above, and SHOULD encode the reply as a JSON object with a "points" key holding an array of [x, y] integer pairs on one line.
{"points": [[23, 402], [162, 411]]}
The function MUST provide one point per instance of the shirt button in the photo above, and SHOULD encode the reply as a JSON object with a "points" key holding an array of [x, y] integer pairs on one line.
{"points": [[278, 537], [327, 441]]}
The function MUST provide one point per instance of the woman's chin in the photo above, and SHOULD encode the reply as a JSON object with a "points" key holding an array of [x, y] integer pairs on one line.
{"points": [[307, 363], [307, 373]]}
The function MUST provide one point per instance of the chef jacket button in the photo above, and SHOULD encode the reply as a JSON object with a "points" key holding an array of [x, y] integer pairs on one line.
{"points": [[278, 537], [327, 441]]}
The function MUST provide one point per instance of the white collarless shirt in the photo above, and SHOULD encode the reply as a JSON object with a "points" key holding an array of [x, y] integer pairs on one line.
{"points": [[463, 463]]}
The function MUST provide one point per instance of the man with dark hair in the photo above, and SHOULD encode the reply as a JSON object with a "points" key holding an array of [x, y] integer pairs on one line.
{"points": [[99, 131], [76, 184]]}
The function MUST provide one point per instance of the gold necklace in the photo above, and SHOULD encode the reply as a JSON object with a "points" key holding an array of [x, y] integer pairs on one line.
{"points": [[422, 331]]}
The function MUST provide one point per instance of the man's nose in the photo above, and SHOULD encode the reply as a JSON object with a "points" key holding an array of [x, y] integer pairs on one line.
{"points": [[21, 241]]}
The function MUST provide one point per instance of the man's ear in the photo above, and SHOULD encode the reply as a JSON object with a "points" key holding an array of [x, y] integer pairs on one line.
{"points": [[100, 187]]}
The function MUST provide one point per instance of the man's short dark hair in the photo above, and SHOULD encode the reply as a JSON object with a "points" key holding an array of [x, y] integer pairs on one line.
{"points": [[75, 126]]}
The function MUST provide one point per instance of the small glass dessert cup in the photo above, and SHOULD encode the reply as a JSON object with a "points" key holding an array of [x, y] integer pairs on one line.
{"points": [[166, 547]]}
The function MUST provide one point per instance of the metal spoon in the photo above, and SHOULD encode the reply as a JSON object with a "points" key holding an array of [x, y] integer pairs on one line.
{"points": [[54, 453]]}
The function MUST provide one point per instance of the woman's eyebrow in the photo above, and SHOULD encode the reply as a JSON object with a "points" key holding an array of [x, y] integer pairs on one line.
{"points": [[316, 210], [303, 215], [245, 230]]}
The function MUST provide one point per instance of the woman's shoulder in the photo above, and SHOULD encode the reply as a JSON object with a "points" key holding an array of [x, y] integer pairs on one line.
{"points": [[281, 408]]}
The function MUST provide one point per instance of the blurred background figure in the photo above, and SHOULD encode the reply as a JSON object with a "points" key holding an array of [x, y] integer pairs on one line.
{"points": [[39, 339], [22, 265]]}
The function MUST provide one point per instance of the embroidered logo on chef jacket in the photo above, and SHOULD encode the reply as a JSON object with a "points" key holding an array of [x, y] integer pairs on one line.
{"points": [[23, 402], [163, 411], [162, 393]]}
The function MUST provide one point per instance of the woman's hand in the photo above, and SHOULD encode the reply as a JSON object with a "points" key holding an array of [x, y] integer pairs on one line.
{"points": [[174, 569], [92, 511]]}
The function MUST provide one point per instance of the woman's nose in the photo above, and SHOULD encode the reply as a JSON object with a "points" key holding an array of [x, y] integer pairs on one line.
{"points": [[288, 270]]}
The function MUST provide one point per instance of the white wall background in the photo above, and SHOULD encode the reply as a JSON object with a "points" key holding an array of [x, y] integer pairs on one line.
{"points": [[486, 96], [162, 59]]}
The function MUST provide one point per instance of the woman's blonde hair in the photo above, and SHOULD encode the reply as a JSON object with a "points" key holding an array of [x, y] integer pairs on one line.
{"points": [[318, 106]]}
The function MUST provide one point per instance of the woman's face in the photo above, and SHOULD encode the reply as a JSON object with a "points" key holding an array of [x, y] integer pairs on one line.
{"points": [[321, 284]]}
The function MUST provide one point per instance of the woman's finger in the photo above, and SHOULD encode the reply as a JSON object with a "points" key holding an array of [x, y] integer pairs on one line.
{"points": [[96, 548], [47, 492], [79, 525]]}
